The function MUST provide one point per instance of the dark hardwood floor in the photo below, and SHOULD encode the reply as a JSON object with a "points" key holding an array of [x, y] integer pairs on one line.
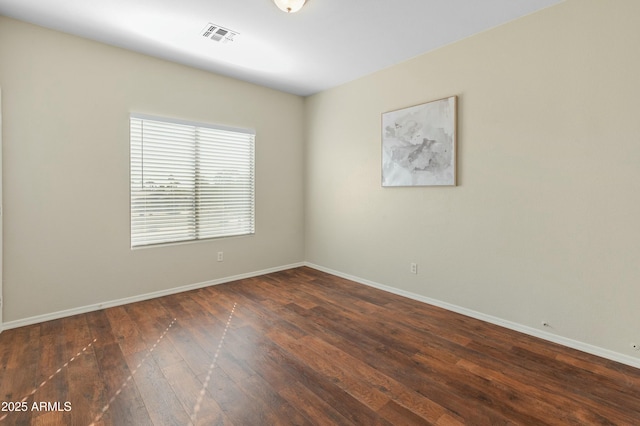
{"points": [[300, 347]]}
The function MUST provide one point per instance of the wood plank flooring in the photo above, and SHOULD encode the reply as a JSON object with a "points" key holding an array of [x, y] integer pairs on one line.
{"points": [[300, 347]]}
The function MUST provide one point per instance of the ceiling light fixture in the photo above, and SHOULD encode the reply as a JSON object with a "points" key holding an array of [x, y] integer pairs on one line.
{"points": [[289, 6]]}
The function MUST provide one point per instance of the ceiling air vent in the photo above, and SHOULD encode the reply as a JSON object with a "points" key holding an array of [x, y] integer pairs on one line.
{"points": [[218, 33]]}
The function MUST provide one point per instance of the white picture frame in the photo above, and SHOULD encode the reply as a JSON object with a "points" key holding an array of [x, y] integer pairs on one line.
{"points": [[419, 144]]}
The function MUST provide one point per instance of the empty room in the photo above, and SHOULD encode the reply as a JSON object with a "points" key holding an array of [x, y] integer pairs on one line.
{"points": [[320, 212]]}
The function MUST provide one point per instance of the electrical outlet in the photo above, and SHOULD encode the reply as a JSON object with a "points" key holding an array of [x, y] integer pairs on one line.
{"points": [[414, 268], [220, 256]]}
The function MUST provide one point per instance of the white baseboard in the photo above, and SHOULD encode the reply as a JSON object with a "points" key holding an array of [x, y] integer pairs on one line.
{"points": [[574, 344], [581, 346], [97, 306]]}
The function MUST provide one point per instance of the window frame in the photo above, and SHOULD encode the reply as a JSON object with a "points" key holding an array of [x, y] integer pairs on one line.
{"points": [[197, 188]]}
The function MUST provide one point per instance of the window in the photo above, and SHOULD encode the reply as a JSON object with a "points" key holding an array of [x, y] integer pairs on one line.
{"points": [[190, 181]]}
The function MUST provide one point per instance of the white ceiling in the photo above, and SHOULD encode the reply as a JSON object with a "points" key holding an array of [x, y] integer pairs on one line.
{"points": [[327, 43]]}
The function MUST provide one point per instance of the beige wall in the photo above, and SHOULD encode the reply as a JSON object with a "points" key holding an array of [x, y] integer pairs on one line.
{"points": [[542, 227], [66, 104], [544, 223]]}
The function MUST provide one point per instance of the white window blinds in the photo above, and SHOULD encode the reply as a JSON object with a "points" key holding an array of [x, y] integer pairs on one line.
{"points": [[189, 181]]}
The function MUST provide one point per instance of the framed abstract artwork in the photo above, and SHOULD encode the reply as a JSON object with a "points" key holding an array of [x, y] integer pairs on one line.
{"points": [[419, 145]]}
